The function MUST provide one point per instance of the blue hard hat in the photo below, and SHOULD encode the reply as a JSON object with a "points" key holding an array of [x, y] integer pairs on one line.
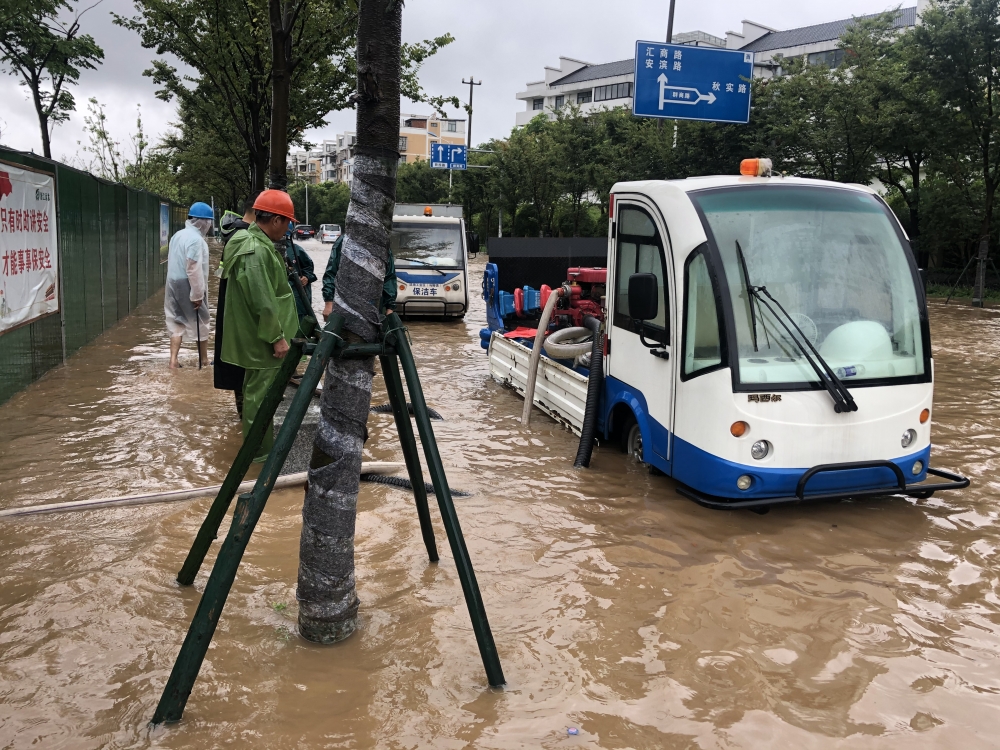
{"points": [[201, 210]]}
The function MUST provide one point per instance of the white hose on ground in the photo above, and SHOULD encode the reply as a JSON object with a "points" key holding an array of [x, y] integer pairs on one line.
{"points": [[536, 354], [283, 481], [568, 343]]}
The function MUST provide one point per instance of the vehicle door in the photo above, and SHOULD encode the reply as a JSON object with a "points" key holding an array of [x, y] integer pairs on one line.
{"points": [[641, 245]]}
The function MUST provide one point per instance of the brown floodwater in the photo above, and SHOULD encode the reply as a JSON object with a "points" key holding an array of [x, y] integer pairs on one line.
{"points": [[618, 607]]}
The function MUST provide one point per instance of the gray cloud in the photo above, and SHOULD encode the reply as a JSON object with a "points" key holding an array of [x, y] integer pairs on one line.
{"points": [[505, 44]]}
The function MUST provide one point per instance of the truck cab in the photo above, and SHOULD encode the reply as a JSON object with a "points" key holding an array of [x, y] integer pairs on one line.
{"points": [[428, 245]]}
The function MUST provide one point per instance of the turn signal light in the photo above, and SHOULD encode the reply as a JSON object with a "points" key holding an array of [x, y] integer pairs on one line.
{"points": [[739, 429], [924, 416], [402, 287], [755, 167], [447, 288]]}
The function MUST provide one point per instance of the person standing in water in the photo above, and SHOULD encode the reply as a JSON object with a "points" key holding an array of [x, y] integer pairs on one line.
{"points": [[260, 316], [185, 301], [229, 377]]}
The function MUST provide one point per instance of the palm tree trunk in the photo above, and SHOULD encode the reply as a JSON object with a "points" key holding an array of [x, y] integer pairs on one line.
{"points": [[328, 603]]}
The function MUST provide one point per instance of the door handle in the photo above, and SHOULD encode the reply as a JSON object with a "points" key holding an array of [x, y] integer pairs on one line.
{"points": [[661, 353]]}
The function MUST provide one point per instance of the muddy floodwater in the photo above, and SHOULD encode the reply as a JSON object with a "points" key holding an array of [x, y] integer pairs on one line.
{"points": [[618, 607]]}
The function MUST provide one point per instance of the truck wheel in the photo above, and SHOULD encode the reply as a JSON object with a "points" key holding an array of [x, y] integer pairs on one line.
{"points": [[631, 439]]}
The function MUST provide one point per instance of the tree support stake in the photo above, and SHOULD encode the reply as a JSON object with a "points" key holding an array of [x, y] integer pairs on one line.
{"points": [[250, 506]]}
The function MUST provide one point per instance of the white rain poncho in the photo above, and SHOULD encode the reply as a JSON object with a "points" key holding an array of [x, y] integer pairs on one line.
{"points": [[187, 280]]}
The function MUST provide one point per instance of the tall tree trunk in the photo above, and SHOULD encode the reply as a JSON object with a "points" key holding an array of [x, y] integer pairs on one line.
{"points": [[328, 603], [281, 56], [43, 120]]}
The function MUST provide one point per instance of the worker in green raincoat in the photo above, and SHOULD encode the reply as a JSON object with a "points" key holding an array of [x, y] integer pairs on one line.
{"points": [[260, 316], [388, 301]]}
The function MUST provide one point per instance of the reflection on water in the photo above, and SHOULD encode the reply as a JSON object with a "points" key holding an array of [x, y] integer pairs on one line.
{"points": [[617, 606]]}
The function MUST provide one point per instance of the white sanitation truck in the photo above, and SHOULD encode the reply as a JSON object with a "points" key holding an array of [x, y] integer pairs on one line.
{"points": [[429, 247], [766, 342]]}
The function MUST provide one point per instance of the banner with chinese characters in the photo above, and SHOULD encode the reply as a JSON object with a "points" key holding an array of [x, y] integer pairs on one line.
{"points": [[29, 272]]}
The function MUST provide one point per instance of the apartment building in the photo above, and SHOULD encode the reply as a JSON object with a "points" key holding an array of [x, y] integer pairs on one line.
{"points": [[417, 133], [607, 85], [305, 166]]}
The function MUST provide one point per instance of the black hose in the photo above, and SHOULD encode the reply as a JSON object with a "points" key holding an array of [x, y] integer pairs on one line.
{"points": [[406, 484], [387, 409], [595, 384]]}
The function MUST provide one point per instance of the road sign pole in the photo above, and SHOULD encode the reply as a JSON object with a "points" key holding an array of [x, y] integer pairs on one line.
{"points": [[670, 23]]}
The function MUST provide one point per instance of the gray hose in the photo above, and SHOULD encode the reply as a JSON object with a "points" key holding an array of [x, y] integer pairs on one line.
{"points": [[594, 388], [536, 354], [387, 409], [405, 484], [568, 343]]}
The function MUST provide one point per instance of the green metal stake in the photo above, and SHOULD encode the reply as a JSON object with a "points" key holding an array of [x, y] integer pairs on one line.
{"points": [[473, 599], [394, 385], [249, 508], [210, 526]]}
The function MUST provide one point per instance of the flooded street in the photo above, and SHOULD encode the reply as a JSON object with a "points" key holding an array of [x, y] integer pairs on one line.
{"points": [[618, 607]]}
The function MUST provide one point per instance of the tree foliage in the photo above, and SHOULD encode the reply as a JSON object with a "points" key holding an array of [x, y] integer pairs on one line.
{"points": [[47, 54]]}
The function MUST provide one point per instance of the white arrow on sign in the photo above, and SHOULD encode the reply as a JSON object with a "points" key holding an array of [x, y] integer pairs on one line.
{"points": [[697, 95]]}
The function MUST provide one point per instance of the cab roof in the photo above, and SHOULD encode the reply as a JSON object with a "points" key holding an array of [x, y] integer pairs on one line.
{"points": [[716, 181], [417, 219]]}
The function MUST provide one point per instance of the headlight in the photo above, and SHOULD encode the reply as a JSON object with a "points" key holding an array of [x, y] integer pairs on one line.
{"points": [[744, 482], [760, 449], [454, 286], [918, 466], [908, 437]]}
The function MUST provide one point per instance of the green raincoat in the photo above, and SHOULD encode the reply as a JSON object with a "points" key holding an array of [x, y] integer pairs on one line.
{"points": [[260, 308]]}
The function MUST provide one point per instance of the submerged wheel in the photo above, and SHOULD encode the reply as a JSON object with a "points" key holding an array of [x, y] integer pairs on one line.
{"points": [[631, 439]]}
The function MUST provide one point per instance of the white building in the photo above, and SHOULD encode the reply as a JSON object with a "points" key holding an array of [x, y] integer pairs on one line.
{"points": [[609, 85]]}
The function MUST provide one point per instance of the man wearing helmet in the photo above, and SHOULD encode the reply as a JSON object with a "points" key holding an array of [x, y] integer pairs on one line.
{"points": [[260, 318], [185, 302]]}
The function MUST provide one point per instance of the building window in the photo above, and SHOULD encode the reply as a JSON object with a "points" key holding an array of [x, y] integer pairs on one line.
{"points": [[560, 100], [537, 104], [830, 59], [402, 159], [434, 124], [584, 97], [614, 91], [452, 126], [402, 143]]}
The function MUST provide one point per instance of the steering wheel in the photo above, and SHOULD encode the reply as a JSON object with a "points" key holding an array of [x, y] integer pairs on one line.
{"points": [[807, 326]]}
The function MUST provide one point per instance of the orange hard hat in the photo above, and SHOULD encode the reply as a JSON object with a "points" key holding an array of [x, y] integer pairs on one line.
{"points": [[275, 202]]}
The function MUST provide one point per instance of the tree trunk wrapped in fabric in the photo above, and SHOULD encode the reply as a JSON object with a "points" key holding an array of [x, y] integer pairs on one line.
{"points": [[328, 602]]}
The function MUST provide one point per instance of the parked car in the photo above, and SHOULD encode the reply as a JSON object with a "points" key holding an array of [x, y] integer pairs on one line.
{"points": [[304, 231], [329, 232]]}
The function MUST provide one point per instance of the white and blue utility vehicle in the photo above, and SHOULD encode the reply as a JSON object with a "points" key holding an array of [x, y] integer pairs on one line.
{"points": [[766, 342], [429, 247]]}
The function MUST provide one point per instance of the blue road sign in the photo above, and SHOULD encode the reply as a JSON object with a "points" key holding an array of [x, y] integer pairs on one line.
{"points": [[691, 83], [448, 156]]}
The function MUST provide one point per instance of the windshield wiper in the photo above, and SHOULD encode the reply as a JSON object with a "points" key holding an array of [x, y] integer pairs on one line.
{"points": [[842, 399], [751, 299]]}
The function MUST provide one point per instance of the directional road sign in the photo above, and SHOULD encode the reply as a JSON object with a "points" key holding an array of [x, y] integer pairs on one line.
{"points": [[692, 83], [448, 156]]}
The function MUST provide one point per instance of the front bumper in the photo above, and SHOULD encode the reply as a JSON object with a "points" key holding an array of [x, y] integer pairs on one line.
{"points": [[919, 489]]}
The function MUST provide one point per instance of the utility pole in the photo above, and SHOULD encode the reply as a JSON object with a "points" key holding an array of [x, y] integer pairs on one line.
{"points": [[472, 82], [670, 40]]}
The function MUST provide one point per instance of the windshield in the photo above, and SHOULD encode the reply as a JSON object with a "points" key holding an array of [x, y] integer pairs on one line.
{"points": [[416, 244], [834, 261]]}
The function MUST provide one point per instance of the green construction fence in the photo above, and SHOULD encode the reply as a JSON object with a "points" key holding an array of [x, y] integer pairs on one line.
{"points": [[109, 263]]}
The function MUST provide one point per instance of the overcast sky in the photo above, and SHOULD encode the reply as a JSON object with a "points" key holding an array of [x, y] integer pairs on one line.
{"points": [[504, 44]]}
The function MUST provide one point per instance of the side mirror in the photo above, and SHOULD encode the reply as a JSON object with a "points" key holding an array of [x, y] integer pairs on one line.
{"points": [[643, 296], [472, 243]]}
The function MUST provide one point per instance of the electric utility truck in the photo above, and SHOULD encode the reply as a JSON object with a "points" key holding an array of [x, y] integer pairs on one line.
{"points": [[766, 341]]}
